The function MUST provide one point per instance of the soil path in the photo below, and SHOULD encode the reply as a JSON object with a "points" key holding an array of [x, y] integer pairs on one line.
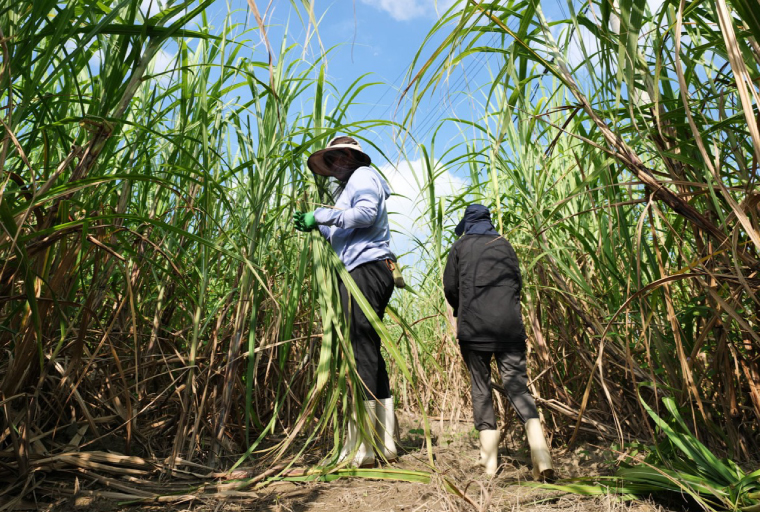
{"points": [[455, 452]]}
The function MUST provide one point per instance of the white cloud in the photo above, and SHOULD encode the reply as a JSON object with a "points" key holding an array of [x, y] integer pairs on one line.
{"points": [[404, 10], [575, 54], [407, 208], [590, 43], [654, 5], [575, 50], [150, 8], [162, 62]]}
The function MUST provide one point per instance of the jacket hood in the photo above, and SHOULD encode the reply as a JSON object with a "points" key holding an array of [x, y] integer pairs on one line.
{"points": [[386, 187], [476, 221]]}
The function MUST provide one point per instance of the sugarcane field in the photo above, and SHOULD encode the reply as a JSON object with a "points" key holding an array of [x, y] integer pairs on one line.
{"points": [[380, 255]]}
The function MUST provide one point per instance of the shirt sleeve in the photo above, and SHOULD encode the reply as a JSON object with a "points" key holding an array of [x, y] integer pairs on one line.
{"points": [[451, 280], [325, 231], [364, 193]]}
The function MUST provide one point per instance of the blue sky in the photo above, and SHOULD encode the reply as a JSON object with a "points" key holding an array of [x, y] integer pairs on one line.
{"points": [[381, 37]]}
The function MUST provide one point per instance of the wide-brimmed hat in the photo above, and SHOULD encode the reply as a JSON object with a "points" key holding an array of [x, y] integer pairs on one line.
{"points": [[316, 161]]}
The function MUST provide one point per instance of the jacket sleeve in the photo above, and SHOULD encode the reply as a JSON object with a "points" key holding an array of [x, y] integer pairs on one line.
{"points": [[451, 280], [325, 232], [364, 193], [517, 271]]}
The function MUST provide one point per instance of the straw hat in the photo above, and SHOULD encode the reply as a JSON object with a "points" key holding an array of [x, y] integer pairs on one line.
{"points": [[316, 161]]}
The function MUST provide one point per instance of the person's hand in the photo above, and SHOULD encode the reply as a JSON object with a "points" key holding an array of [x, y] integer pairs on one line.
{"points": [[304, 221]]}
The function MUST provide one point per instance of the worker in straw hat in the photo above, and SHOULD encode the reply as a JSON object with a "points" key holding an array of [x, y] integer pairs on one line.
{"points": [[357, 228], [482, 283]]}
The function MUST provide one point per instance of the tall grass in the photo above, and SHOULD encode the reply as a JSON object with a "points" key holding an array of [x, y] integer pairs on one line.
{"points": [[155, 300], [619, 150]]}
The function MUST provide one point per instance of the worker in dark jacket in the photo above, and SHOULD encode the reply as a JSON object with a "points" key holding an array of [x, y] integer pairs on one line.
{"points": [[482, 284]]}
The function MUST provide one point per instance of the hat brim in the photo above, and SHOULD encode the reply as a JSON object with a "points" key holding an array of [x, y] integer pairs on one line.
{"points": [[317, 164]]}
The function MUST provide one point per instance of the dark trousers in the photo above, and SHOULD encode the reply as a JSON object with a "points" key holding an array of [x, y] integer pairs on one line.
{"points": [[514, 378], [375, 281]]}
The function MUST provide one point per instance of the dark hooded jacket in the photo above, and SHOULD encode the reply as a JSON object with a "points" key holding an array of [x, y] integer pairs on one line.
{"points": [[482, 283]]}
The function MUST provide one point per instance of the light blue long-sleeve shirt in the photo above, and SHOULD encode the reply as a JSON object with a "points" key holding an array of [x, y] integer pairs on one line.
{"points": [[357, 227]]}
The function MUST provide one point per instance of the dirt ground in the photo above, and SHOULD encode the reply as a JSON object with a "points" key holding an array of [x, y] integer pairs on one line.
{"points": [[455, 451]]}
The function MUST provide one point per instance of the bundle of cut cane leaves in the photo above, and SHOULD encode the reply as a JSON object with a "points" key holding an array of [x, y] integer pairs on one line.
{"points": [[678, 464]]}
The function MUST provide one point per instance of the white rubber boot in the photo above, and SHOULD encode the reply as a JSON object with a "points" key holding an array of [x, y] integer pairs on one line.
{"points": [[386, 426], [540, 455], [482, 459], [489, 451], [365, 455]]}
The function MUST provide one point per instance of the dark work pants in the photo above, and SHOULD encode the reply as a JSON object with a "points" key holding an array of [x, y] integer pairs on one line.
{"points": [[514, 378], [375, 281]]}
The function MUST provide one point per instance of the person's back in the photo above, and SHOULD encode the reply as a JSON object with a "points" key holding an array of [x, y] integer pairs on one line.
{"points": [[482, 284], [487, 292]]}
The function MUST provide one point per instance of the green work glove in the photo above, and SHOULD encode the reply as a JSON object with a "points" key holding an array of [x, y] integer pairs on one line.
{"points": [[304, 221]]}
